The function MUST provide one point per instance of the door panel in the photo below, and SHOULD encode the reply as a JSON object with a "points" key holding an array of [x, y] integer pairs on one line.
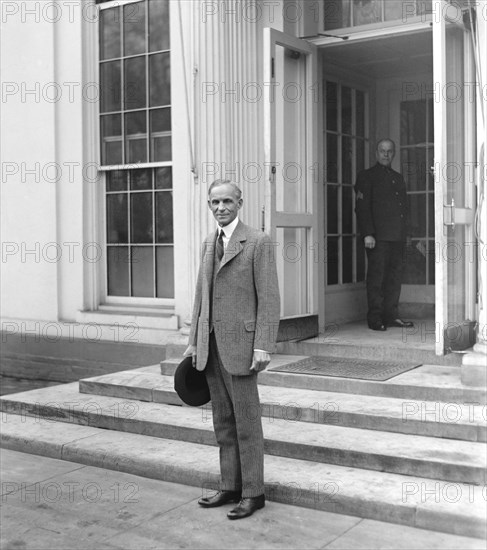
{"points": [[454, 196], [290, 154]]}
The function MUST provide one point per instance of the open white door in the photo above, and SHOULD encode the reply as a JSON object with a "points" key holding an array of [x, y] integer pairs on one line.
{"points": [[454, 120], [291, 103]]}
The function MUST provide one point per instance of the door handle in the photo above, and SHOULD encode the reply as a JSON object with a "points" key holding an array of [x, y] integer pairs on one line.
{"points": [[449, 214]]}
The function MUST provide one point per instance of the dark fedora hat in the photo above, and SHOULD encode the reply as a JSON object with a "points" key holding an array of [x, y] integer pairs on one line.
{"points": [[190, 384]]}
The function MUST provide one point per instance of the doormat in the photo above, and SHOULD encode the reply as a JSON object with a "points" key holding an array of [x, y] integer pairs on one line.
{"points": [[362, 369]]}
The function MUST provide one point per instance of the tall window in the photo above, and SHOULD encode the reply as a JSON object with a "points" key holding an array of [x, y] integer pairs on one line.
{"points": [[346, 148], [417, 158], [136, 153], [353, 13]]}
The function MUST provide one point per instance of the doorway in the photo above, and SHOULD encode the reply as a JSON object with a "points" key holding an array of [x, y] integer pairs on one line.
{"points": [[376, 88], [381, 83]]}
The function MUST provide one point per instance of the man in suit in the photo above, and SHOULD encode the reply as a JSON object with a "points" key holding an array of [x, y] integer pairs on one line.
{"points": [[382, 216], [233, 331]]}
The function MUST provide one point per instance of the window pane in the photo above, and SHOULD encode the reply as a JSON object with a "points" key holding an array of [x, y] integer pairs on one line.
{"points": [[430, 162], [135, 83], [360, 155], [347, 209], [164, 177], [160, 79], [347, 260], [111, 139], [117, 221], [424, 6], [431, 262], [431, 214], [332, 260], [413, 122], [398, 9], [136, 137], [134, 28], [360, 260], [164, 217], [142, 271], [415, 265], [336, 14], [118, 270], [347, 157], [431, 122], [117, 180], [141, 218], [159, 25], [414, 168], [360, 113], [292, 269], [109, 33], [160, 120], [331, 158], [141, 179], [332, 208], [417, 214], [331, 106], [366, 12], [165, 271], [346, 110], [110, 87]]}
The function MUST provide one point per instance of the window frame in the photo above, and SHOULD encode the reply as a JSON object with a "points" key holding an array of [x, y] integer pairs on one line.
{"points": [[104, 298], [428, 193], [339, 184], [381, 25]]}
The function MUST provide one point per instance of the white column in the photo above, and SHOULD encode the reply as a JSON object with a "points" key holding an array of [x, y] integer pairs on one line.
{"points": [[221, 46], [228, 106]]}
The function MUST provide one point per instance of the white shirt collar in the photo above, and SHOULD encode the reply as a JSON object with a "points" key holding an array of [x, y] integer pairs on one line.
{"points": [[229, 229]]}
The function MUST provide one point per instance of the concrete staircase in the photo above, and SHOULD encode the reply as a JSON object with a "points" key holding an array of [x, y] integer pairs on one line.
{"points": [[410, 450]]}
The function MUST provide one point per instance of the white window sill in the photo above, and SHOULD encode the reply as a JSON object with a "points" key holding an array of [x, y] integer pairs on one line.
{"points": [[141, 317]]}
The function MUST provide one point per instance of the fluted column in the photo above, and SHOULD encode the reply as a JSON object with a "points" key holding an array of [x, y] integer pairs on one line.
{"points": [[228, 106]]}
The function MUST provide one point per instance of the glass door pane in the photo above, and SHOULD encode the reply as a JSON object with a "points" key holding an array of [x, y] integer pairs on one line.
{"points": [[291, 99]]}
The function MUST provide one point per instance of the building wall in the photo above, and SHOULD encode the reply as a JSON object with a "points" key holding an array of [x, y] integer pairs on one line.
{"points": [[51, 211], [28, 206]]}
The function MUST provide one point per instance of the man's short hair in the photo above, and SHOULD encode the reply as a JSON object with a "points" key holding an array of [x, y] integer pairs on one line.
{"points": [[383, 140], [217, 183]]}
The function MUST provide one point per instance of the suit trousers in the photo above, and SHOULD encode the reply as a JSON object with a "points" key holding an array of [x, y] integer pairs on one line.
{"points": [[238, 426], [384, 278]]}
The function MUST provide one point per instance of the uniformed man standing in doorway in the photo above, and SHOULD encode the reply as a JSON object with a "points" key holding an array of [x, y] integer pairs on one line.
{"points": [[382, 215]]}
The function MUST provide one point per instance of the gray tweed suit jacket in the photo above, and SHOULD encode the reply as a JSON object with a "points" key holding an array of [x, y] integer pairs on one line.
{"points": [[246, 305]]}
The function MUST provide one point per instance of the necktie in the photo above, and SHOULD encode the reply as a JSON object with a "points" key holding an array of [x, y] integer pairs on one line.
{"points": [[219, 246]]}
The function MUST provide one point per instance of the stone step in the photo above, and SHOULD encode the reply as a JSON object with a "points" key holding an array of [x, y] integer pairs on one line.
{"points": [[405, 351], [455, 508], [435, 458], [425, 383], [450, 420], [360, 343]]}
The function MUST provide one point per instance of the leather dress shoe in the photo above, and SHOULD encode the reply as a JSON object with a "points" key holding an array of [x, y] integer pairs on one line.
{"points": [[246, 507], [400, 323], [220, 498], [377, 326]]}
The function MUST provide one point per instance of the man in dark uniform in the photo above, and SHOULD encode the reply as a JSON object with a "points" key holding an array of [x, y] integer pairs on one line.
{"points": [[382, 215]]}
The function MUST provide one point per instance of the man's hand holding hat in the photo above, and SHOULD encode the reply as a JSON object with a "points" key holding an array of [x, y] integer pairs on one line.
{"points": [[191, 352]]}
